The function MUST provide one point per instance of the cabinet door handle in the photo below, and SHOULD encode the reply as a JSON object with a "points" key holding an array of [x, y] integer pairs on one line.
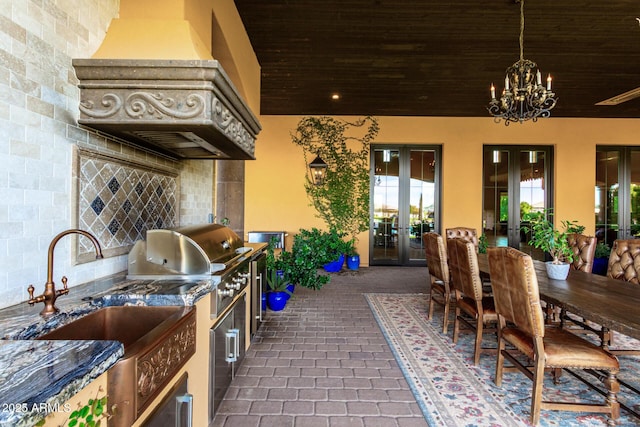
{"points": [[180, 402], [236, 342], [231, 355]]}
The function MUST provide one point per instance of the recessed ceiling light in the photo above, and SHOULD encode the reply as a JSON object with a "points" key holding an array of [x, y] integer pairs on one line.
{"points": [[335, 96]]}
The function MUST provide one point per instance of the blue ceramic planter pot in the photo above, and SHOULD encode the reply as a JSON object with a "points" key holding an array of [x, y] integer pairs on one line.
{"points": [[290, 287], [353, 262], [334, 266], [276, 300], [600, 266]]}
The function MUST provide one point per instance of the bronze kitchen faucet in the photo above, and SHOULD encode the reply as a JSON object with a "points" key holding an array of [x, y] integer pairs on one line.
{"points": [[50, 293]]}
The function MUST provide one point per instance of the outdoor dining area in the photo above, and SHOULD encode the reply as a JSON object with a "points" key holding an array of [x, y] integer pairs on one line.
{"points": [[542, 326]]}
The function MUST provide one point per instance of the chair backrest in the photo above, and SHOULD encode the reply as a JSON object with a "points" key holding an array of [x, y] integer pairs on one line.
{"points": [[515, 289], [584, 250], [436, 256], [464, 233], [463, 264], [624, 261]]}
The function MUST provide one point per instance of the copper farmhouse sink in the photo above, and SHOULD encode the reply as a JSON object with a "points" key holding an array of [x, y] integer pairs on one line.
{"points": [[157, 341]]}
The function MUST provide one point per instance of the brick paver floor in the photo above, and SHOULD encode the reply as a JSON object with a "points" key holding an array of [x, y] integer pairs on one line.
{"points": [[323, 361]]}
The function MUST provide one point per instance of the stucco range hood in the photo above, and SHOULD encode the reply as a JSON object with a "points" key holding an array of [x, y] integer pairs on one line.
{"points": [[185, 109]]}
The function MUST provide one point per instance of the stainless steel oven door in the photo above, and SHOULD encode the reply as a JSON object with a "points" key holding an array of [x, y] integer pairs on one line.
{"points": [[175, 410], [227, 349]]}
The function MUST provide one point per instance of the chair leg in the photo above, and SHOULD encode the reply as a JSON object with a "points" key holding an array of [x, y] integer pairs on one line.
{"points": [[431, 305], [456, 325], [478, 347], [500, 355], [445, 322], [499, 363], [536, 394], [613, 388]]}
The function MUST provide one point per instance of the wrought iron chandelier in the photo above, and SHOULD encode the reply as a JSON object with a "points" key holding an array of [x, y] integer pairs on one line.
{"points": [[524, 97]]}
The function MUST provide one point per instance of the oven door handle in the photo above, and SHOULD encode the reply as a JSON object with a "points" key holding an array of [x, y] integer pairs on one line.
{"points": [[232, 350], [180, 402]]}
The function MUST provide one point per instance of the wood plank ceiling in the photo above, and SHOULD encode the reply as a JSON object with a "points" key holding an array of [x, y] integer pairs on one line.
{"points": [[438, 58]]}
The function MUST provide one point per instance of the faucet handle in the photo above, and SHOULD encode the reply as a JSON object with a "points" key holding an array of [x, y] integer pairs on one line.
{"points": [[31, 289], [64, 282]]}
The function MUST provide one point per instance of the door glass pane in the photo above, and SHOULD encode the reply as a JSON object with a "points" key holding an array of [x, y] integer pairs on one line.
{"points": [[606, 196], [635, 194], [422, 200], [532, 195], [495, 215], [386, 202]]}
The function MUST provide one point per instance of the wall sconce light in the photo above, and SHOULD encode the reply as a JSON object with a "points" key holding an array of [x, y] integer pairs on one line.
{"points": [[318, 170]]}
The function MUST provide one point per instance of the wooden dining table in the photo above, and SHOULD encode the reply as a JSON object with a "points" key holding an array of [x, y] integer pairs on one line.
{"points": [[614, 304]]}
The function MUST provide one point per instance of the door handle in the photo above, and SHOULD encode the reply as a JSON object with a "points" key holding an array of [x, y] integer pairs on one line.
{"points": [[229, 348], [180, 402], [259, 280]]}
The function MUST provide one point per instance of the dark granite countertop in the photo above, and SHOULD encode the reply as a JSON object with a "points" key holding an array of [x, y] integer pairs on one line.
{"points": [[36, 376]]}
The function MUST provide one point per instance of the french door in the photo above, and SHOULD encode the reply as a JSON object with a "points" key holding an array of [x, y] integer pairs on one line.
{"points": [[516, 183], [405, 202], [617, 198]]}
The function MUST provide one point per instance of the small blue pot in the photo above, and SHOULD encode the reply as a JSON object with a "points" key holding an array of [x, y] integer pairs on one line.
{"points": [[276, 300], [334, 266], [353, 262]]}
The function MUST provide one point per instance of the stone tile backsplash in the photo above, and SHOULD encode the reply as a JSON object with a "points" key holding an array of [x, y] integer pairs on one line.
{"points": [[118, 201]]}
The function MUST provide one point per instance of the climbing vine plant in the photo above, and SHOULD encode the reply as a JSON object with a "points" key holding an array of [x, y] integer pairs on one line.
{"points": [[343, 200]]}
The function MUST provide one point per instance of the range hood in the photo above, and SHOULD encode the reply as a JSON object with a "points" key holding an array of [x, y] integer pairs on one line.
{"points": [[154, 82], [184, 108]]}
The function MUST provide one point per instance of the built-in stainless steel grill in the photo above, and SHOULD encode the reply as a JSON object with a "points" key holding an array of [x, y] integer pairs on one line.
{"points": [[205, 252], [196, 252]]}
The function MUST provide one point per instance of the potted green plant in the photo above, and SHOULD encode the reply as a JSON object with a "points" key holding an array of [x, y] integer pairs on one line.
{"points": [[300, 267], [351, 253], [482, 244], [601, 259], [326, 247], [277, 290], [546, 237], [278, 287], [342, 200]]}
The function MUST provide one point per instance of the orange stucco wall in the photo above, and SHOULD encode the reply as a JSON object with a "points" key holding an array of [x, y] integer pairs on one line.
{"points": [[276, 200]]}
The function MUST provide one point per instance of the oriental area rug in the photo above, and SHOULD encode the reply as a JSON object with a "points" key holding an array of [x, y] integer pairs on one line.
{"points": [[451, 391]]}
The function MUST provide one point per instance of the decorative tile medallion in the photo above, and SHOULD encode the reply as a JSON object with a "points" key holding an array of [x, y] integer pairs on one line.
{"points": [[118, 201]]}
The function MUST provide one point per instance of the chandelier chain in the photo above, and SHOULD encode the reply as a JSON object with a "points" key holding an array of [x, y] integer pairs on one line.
{"points": [[521, 30]]}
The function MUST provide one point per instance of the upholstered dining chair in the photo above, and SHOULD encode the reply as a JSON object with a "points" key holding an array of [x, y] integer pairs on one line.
{"points": [[464, 233], [584, 250], [624, 264], [624, 260], [438, 267], [470, 235], [521, 324], [467, 286]]}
